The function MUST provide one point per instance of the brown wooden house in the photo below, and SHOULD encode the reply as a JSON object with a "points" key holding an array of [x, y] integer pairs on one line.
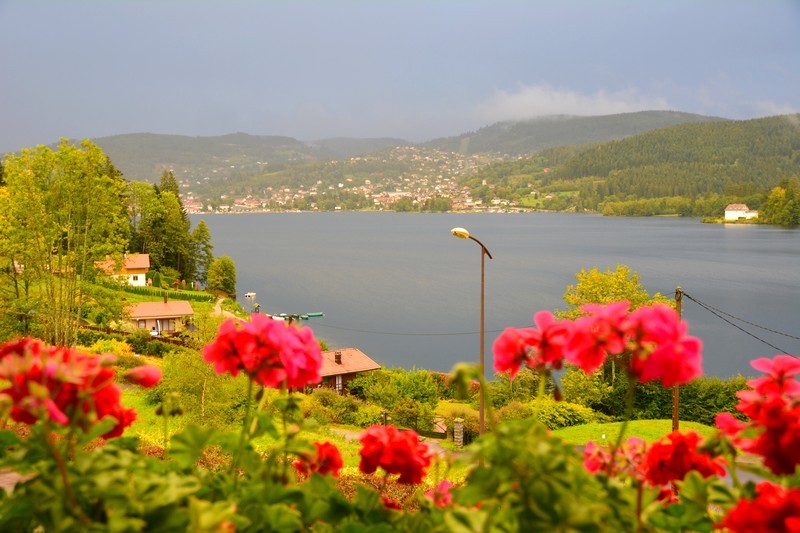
{"points": [[339, 367], [161, 318]]}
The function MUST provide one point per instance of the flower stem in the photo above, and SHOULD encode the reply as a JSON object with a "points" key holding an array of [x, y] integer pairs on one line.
{"points": [[629, 395], [62, 469], [244, 433]]}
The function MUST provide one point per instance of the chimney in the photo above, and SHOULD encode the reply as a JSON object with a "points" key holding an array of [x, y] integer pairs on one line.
{"points": [[338, 357]]}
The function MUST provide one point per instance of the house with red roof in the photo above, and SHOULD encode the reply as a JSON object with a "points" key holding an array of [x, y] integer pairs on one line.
{"points": [[133, 268], [161, 318], [339, 367], [739, 212]]}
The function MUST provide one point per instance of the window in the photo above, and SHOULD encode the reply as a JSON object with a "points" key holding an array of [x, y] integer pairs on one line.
{"points": [[142, 324], [135, 278], [338, 383]]}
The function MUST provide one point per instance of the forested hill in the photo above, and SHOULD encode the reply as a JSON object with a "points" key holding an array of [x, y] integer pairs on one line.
{"points": [[532, 136], [144, 156], [692, 159]]}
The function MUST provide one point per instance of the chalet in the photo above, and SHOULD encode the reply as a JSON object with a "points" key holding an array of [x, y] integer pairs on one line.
{"points": [[339, 367], [161, 317], [133, 268], [739, 212]]}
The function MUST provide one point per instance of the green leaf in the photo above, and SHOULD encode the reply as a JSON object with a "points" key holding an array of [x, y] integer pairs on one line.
{"points": [[465, 521], [264, 424], [186, 446]]}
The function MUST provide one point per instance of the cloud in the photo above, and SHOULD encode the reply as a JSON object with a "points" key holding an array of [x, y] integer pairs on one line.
{"points": [[543, 100], [767, 108]]}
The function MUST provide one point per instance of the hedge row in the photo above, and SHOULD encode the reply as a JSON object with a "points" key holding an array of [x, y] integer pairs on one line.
{"points": [[174, 295]]}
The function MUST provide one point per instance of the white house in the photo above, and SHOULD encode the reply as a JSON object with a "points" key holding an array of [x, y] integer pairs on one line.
{"points": [[739, 212], [133, 268]]}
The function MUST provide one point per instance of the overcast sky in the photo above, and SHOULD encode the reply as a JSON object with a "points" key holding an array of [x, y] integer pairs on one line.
{"points": [[382, 68]]}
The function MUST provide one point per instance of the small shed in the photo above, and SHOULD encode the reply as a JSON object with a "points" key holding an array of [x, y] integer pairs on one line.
{"points": [[161, 317], [339, 367]]}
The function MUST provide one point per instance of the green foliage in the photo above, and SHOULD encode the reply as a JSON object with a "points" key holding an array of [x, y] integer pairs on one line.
{"points": [[62, 210], [782, 206], [584, 389], [598, 287], [172, 295], [523, 388], [529, 481], [112, 346], [222, 275], [207, 398], [450, 410], [738, 159], [553, 414], [386, 387], [412, 414]]}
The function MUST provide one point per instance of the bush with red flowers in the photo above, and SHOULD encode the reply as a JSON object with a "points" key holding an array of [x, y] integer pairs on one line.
{"points": [[520, 478]]}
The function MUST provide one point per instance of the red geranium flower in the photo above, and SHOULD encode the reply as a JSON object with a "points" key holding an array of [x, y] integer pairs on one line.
{"points": [[674, 456], [773, 407], [774, 509], [328, 460], [61, 385], [396, 452]]}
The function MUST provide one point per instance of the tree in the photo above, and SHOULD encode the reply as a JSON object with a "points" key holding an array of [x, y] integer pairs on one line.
{"points": [[222, 275], [64, 209], [168, 183], [598, 287], [202, 251]]}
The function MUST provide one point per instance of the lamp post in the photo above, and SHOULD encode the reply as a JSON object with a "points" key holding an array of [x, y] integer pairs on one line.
{"points": [[461, 233]]}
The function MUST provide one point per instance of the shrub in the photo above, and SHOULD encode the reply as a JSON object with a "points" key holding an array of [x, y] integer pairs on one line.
{"points": [[367, 415], [114, 346], [450, 410], [412, 414], [556, 415], [516, 410]]}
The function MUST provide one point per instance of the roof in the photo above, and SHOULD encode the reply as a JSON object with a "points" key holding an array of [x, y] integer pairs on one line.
{"points": [[129, 262], [353, 360], [736, 207], [170, 309]]}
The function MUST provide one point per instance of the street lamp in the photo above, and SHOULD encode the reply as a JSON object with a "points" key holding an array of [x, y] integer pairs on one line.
{"points": [[461, 233]]}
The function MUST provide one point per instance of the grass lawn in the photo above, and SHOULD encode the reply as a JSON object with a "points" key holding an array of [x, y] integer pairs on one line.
{"points": [[648, 430]]}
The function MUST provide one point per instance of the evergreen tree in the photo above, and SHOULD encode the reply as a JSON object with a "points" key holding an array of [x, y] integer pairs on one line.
{"points": [[202, 251]]}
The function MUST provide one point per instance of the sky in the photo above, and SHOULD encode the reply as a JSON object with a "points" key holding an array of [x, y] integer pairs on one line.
{"points": [[412, 69]]}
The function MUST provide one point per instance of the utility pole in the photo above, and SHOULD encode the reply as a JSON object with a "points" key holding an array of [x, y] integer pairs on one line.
{"points": [[675, 389]]}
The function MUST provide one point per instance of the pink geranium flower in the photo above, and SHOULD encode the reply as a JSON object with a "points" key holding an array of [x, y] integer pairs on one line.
{"points": [[147, 375], [662, 349], [540, 349], [597, 334], [270, 352]]}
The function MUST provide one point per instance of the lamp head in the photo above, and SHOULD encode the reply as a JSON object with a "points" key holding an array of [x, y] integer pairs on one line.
{"points": [[461, 233]]}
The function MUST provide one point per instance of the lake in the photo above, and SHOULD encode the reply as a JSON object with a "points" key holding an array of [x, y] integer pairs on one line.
{"points": [[401, 288]]}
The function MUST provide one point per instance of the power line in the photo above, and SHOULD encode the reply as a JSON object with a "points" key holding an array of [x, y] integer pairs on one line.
{"points": [[718, 315], [405, 334], [745, 321]]}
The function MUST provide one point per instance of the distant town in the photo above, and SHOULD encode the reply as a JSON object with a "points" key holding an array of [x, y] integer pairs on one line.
{"points": [[433, 176]]}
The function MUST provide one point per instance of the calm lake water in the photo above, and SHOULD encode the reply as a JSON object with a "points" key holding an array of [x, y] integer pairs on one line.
{"points": [[406, 292]]}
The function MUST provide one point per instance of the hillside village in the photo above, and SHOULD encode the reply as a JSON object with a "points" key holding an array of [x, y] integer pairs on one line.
{"points": [[431, 174]]}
